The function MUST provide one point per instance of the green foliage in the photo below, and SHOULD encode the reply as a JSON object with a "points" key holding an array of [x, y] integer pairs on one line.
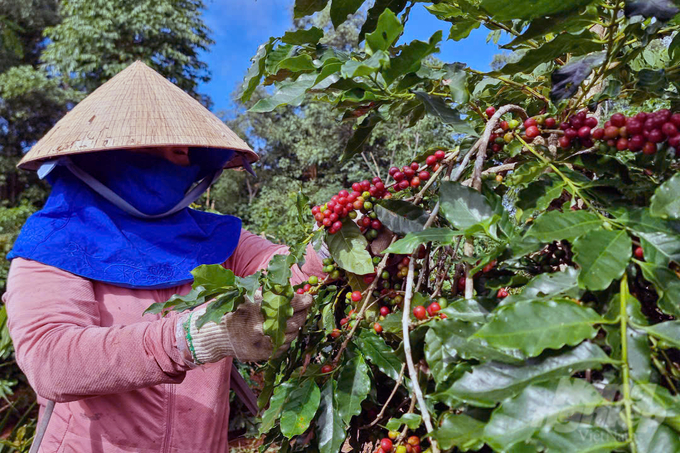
{"points": [[97, 39], [564, 362]]}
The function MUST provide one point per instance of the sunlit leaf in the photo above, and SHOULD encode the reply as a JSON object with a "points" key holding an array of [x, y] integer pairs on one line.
{"points": [[386, 32], [503, 10], [330, 428], [411, 241], [532, 326], [556, 225], [490, 383], [276, 310], [460, 430], [307, 7], [348, 249], [603, 256], [401, 217], [463, 206], [353, 387], [538, 406], [299, 409], [666, 199], [299, 37]]}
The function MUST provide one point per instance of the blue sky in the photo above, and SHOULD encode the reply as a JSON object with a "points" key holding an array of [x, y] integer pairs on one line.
{"points": [[240, 26]]}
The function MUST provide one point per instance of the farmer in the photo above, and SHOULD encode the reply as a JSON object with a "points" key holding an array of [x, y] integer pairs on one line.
{"points": [[115, 236]]}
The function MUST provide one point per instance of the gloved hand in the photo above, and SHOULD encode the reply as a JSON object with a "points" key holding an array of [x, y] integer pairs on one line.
{"points": [[240, 333]]}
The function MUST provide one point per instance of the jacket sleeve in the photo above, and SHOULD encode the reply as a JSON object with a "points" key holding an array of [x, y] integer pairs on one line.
{"points": [[254, 252], [54, 321]]}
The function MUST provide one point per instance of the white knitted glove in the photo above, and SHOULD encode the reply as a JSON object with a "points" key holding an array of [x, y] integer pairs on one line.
{"points": [[239, 334]]}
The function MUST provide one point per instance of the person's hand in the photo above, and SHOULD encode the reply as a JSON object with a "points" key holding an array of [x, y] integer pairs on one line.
{"points": [[240, 334]]}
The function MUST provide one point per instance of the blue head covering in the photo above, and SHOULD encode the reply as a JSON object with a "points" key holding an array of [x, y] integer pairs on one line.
{"points": [[140, 234]]}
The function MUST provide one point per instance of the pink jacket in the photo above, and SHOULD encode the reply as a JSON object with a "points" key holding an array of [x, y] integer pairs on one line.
{"points": [[119, 380]]}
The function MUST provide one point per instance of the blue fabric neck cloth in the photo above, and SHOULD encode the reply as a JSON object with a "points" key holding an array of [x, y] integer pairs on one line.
{"points": [[142, 236]]}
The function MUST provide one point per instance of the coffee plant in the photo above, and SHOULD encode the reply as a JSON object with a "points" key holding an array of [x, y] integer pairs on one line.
{"points": [[515, 293]]}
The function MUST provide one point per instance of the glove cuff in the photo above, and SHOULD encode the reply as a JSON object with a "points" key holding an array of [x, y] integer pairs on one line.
{"points": [[210, 343]]}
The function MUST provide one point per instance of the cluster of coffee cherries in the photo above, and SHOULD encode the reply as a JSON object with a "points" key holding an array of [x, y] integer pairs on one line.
{"points": [[578, 131], [642, 132], [412, 175], [412, 444], [408, 176], [421, 313], [347, 204], [310, 287], [507, 129]]}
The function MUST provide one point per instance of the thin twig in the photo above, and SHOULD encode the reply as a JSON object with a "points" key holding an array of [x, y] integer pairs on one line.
{"points": [[371, 169], [381, 414], [405, 322], [366, 294], [492, 171], [377, 167]]}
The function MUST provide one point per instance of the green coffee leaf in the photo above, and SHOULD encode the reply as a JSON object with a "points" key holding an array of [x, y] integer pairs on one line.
{"points": [[460, 430], [556, 225], [411, 420], [502, 10], [360, 68], [281, 394], [411, 241], [348, 249], [223, 304], [195, 297], [492, 382], [651, 400], [537, 407], [387, 31], [437, 106], [668, 331], [462, 27], [466, 310], [278, 270], [355, 144], [538, 195], [666, 199], [353, 387], [401, 217], [463, 206], [576, 44], [299, 409], [603, 256], [535, 325], [575, 437], [449, 340], [289, 92], [667, 286], [213, 277], [276, 310], [653, 437], [340, 9], [374, 348], [256, 70], [410, 57], [660, 248], [304, 8], [300, 37], [547, 286], [330, 428]]}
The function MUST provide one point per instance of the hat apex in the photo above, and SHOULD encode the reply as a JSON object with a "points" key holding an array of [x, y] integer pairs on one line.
{"points": [[137, 108]]}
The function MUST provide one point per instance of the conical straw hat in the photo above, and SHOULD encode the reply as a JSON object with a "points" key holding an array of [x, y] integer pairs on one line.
{"points": [[138, 108]]}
